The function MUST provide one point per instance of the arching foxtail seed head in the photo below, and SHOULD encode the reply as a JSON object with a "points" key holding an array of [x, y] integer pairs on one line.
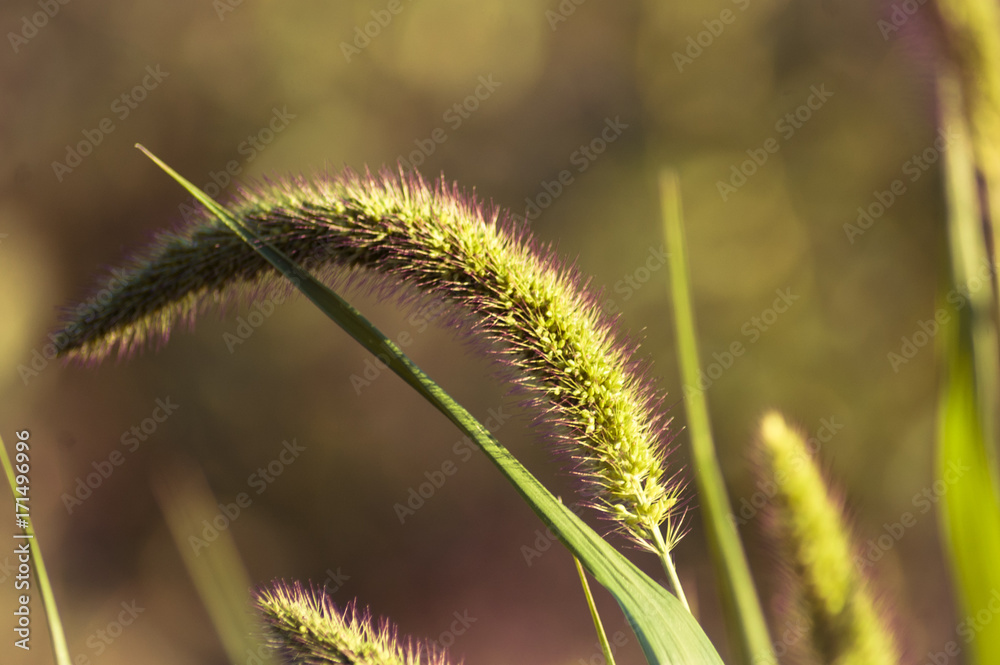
{"points": [[306, 628], [533, 312], [846, 623]]}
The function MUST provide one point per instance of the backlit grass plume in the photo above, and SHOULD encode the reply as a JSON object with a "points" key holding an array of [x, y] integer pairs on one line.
{"points": [[533, 313], [307, 629], [846, 628]]}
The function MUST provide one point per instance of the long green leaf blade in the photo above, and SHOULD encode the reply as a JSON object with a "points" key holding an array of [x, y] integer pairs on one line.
{"points": [[743, 611], [56, 633], [217, 572], [970, 505], [667, 632]]}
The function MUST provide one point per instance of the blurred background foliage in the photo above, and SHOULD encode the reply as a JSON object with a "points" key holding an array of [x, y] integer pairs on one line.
{"points": [[560, 81]]}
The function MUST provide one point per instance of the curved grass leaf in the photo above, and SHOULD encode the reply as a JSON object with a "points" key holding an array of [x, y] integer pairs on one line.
{"points": [[56, 633], [744, 616], [667, 632], [217, 572], [970, 506]]}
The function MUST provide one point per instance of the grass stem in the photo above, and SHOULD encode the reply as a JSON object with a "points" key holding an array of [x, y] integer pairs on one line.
{"points": [[598, 626]]}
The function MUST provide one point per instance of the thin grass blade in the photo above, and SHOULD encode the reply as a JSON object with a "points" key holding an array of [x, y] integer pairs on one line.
{"points": [[216, 568], [745, 618], [56, 632], [970, 506], [602, 636]]}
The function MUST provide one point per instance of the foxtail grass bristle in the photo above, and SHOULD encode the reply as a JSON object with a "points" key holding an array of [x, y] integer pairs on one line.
{"points": [[306, 628], [846, 625], [531, 312]]}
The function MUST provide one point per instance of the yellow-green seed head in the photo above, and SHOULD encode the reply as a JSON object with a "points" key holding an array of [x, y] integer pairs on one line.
{"points": [[307, 629], [529, 310], [846, 626]]}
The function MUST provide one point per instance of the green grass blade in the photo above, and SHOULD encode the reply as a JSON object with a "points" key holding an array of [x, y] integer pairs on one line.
{"points": [[56, 633], [970, 258], [666, 631], [602, 636], [970, 504], [215, 568], [744, 615], [971, 30]]}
